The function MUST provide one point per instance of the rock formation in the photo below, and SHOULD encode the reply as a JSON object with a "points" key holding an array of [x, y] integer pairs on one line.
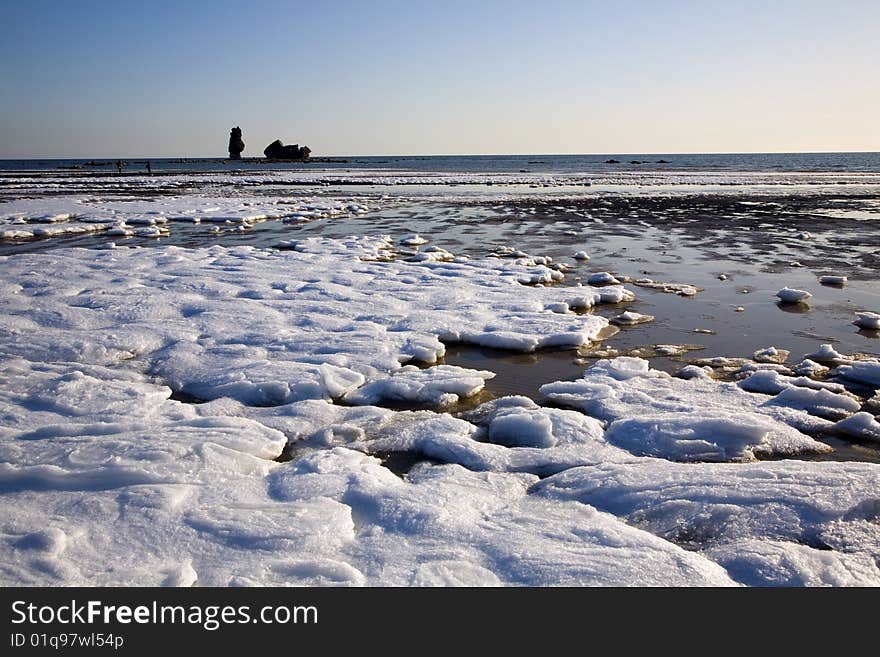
{"points": [[236, 145], [278, 151]]}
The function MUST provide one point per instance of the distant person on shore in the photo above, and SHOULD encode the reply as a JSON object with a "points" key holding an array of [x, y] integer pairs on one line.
{"points": [[149, 168], [119, 166]]}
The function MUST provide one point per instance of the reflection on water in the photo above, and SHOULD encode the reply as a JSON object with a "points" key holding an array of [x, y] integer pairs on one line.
{"points": [[797, 308]]}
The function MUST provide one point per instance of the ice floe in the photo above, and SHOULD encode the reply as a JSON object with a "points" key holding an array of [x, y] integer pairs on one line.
{"points": [[273, 327], [771, 523], [648, 412], [833, 281], [51, 216], [865, 372], [790, 295], [861, 425], [631, 318], [867, 320]]}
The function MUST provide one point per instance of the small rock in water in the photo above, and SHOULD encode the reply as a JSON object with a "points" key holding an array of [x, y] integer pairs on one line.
{"points": [[867, 320], [704, 331], [722, 277], [581, 255], [805, 235], [790, 295], [740, 309], [833, 281]]}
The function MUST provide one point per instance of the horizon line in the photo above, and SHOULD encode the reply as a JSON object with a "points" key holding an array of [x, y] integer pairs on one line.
{"points": [[220, 157]]}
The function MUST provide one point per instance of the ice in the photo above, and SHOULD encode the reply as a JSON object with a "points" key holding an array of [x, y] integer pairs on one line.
{"points": [[833, 281], [868, 320], [630, 318], [823, 403], [780, 563], [809, 367], [441, 385], [755, 518], [447, 525], [413, 240], [602, 278], [860, 425], [51, 216], [697, 419], [274, 327], [789, 295], [771, 355], [826, 353], [865, 372], [695, 372], [772, 383]]}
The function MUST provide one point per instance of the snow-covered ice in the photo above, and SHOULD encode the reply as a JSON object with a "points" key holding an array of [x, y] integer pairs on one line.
{"points": [[631, 318], [790, 295], [771, 523], [648, 412], [833, 280], [867, 320], [110, 474], [602, 278]]}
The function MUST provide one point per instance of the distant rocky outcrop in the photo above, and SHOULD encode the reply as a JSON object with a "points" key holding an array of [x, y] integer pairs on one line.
{"points": [[236, 145], [278, 151]]}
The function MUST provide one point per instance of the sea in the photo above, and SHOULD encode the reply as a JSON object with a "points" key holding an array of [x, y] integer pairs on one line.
{"points": [[868, 162]]}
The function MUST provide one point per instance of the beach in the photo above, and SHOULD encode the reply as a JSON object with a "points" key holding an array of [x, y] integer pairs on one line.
{"points": [[530, 370]]}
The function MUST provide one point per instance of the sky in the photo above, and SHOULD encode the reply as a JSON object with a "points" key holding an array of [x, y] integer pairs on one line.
{"points": [[169, 79]]}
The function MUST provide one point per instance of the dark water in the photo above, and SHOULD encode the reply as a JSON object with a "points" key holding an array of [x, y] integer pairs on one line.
{"points": [[766, 162]]}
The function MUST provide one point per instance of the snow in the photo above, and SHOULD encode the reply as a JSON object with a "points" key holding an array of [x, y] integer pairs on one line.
{"points": [[52, 216], [865, 372], [260, 326], [441, 385], [771, 355], [809, 367], [771, 382], [109, 478], [860, 425], [763, 521], [695, 372], [826, 353], [789, 295], [630, 318], [867, 320], [648, 412], [413, 240], [602, 278]]}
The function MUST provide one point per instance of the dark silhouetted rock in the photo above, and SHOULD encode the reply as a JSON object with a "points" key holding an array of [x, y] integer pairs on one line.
{"points": [[278, 151], [662, 161], [236, 145], [612, 161]]}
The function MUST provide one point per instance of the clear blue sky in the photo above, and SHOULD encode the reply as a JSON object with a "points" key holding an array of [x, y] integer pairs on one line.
{"points": [[117, 78]]}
